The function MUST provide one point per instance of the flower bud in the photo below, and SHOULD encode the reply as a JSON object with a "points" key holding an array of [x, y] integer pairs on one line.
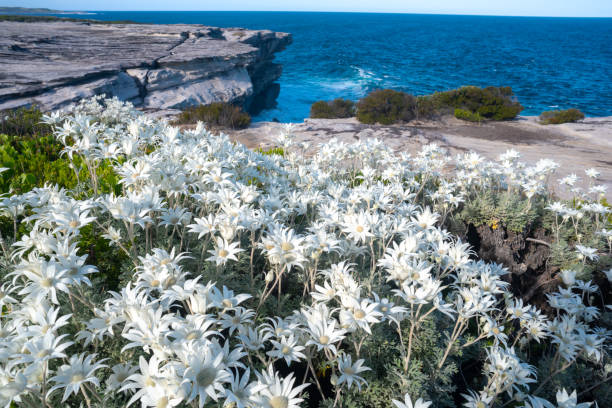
{"points": [[334, 380]]}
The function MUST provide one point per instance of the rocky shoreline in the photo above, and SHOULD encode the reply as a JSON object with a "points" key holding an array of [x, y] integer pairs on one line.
{"points": [[155, 66]]}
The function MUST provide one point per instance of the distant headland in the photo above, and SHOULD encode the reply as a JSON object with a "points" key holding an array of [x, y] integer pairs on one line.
{"points": [[26, 10]]}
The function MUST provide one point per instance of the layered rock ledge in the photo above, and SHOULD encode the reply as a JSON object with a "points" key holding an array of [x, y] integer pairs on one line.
{"points": [[156, 67]]}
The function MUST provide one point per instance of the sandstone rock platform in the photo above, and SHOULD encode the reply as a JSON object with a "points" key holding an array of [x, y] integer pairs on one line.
{"points": [[157, 67]]}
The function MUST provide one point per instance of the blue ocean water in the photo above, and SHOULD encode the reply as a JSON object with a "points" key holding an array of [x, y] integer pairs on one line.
{"points": [[551, 63]]}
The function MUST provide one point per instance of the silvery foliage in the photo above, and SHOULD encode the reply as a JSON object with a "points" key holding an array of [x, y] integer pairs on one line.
{"points": [[356, 225]]}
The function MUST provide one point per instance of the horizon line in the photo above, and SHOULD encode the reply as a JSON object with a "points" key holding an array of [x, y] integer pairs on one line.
{"points": [[336, 11]]}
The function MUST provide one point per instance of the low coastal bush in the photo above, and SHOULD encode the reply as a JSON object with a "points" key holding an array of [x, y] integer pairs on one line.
{"points": [[557, 117], [24, 123], [337, 109], [494, 103], [221, 276], [467, 115], [215, 115], [386, 106], [468, 103], [425, 108], [30, 155]]}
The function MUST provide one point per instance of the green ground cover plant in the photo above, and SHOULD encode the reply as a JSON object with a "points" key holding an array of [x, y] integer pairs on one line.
{"points": [[31, 156], [557, 117]]}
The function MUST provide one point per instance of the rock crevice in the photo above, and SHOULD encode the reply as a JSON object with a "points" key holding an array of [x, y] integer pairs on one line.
{"points": [[157, 67]]}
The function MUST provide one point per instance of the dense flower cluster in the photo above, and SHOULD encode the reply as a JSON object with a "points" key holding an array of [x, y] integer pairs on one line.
{"points": [[251, 279]]}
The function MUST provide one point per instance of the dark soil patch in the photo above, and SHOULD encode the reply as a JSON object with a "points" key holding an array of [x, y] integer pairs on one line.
{"points": [[530, 276], [507, 133]]}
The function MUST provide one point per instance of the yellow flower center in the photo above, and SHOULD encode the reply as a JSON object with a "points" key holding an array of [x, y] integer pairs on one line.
{"points": [[73, 224], [223, 253], [278, 401], [285, 350], [46, 283], [324, 339], [359, 314], [286, 246], [359, 228], [77, 377], [170, 281], [162, 403], [349, 370]]}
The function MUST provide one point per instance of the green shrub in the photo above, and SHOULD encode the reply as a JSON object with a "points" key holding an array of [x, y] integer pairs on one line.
{"points": [[32, 162], [495, 103], [468, 115], [216, 115], [336, 109], [425, 108], [386, 106], [32, 156], [556, 117], [23, 122], [279, 151]]}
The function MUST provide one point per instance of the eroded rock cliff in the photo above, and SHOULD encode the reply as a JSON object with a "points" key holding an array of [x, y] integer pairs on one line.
{"points": [[157, 67]]}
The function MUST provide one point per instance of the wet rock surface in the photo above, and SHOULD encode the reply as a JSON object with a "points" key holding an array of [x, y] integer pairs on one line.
{"points": [[157, 67]]}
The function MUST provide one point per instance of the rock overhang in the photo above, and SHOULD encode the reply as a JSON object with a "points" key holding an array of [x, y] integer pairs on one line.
{"points": [[54, 64]]}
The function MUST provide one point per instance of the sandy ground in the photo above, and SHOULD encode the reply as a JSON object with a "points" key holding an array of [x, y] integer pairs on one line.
{"points": [[575, 146]]}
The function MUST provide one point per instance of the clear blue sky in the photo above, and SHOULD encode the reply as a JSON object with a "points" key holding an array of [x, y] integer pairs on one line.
{"points": [[566, 8]]}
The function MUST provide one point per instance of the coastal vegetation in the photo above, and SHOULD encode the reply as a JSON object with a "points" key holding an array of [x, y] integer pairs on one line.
{"points": [[216, 116], [494, 103], [31, 156], [215, 275], [470, 116], [388, 106], [557, 117], [337, 109]]}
